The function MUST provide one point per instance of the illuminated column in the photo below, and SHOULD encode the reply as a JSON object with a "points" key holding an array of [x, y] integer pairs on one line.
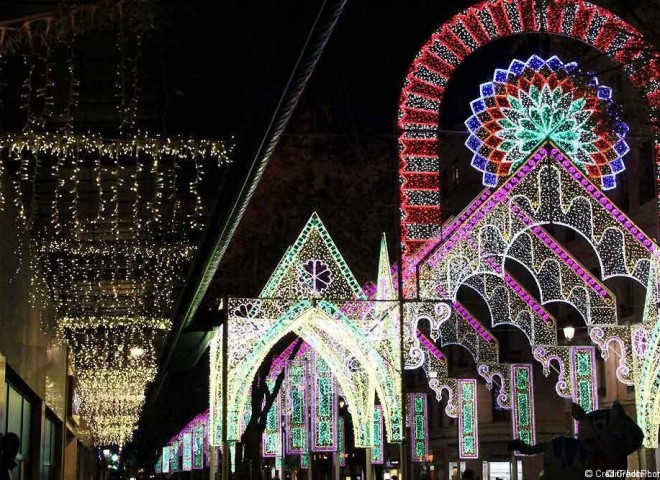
{"points": [[584, 379], [174, 457], [522, 393], [419, 438], [341, 442], [296, 417], [198, 447], [272, 437], [377, 452], [324, 406], [468, 432], [187, 452], [166, 459]]}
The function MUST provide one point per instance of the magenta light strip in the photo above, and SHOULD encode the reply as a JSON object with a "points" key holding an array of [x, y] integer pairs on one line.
{"points": [[472, 321], [424, 340]]}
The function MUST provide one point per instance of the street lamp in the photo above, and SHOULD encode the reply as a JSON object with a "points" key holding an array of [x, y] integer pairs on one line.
{"points": [[569, 333]]}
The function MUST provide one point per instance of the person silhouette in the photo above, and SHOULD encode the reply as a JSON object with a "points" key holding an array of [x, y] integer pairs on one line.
{"points": [[9, 447], [468, 474]]}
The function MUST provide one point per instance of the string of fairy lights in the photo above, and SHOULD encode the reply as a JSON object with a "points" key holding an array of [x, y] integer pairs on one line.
{"points": [[112, 221]]}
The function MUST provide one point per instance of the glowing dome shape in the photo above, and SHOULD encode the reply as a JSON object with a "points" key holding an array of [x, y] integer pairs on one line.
{"points": [[546, 100]]}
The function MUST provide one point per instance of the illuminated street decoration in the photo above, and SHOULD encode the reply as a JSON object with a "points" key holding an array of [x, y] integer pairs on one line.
{"points": [[493, 371], [158, 468], [112, 231], [361, 352], [545, 100], [174, 457], [419, 433], [606, 337], [522, 393], [421, 149], [468, 430], [166, 459], [296, 407], [546, 354], [198, 447], [186, 459], [435, 367], [341, 442], [324, 406], [583, 376], [378, 448], [272, 437], [304, 460]]}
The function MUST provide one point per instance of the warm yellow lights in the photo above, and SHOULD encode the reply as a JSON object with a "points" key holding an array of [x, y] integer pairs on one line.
{"points": [[112, 229]]}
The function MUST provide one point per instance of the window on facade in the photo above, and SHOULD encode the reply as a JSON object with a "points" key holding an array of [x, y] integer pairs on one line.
{"points": [[48, 450], [18, 416]]}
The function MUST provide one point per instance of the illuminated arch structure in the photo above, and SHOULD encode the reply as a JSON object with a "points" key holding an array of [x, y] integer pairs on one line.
{"points": [[435, 64], [313, 294], [536, 175]]}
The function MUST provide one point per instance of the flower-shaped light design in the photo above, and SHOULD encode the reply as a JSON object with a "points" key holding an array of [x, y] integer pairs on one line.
{"points": [[546, 100]]}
